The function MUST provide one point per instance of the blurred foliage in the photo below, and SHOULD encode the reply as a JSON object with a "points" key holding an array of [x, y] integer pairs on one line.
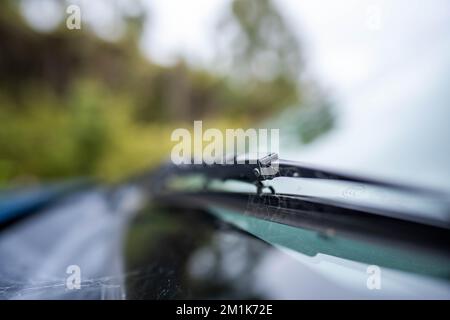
{"points": [[73, 104], [264, 48], [265, 55]]}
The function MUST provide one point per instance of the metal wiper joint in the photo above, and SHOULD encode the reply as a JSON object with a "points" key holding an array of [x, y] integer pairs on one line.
{"points": [[267, 167]]}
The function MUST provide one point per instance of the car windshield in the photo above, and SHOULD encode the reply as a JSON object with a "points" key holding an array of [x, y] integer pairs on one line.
{"points": [[126, 129], [393, 120]]}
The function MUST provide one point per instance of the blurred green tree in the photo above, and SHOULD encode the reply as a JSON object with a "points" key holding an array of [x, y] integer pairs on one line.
{"points": [[263, 53], [73, 103], [262, 45]]}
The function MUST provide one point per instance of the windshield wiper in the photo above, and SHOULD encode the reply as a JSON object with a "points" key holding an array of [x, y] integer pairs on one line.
{"points": [[270, 166], [432, 206], [329, 217]]}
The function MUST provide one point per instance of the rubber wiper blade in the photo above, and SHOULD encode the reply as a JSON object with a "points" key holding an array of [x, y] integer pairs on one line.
{"points": [[270, 166], [384, 198]]}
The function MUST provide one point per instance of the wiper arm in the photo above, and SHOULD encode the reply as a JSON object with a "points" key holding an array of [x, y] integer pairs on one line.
{"points": [[383, 227], [270, 167]]}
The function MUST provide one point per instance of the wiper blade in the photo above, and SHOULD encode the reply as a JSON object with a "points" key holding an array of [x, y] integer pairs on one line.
{"points": [[405, 202], [384, 227], [270, 167]]}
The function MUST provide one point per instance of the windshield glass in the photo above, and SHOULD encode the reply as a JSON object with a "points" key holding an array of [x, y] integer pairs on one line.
{"points": [[390, 86]]}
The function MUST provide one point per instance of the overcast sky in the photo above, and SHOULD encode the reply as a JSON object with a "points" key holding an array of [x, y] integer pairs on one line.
{"points": [[345, 43], [386, 61]]}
